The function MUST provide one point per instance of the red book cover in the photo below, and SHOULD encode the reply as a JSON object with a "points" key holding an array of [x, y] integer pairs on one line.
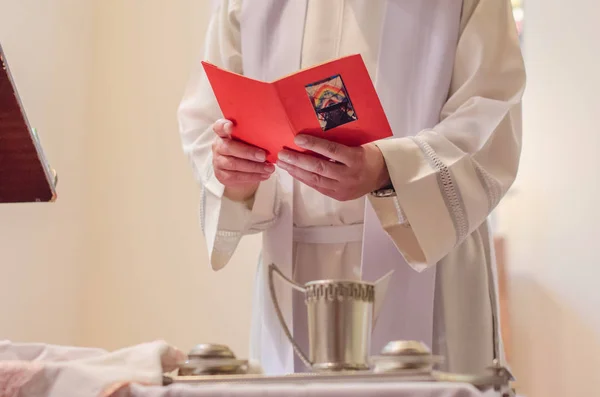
{"points": [[335, 101], [25, 175]]}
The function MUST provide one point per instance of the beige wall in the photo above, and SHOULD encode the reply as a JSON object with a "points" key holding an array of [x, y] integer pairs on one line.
{"points": [[552, 221], [119, 259], [47, 44], [149, 276]]}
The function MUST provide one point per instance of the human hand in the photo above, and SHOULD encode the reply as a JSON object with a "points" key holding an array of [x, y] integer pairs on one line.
{"points": [[353, 173], [237, 165]]}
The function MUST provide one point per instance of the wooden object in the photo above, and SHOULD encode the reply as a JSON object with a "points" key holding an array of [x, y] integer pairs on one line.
{"points": [[500, 248], [25, 176]]}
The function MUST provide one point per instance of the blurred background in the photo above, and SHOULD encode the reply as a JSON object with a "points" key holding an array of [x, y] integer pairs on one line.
{"points": [[119, 259]]}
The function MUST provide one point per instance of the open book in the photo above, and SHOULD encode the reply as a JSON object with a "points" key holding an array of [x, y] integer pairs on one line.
{"points": [[335, 101], [25, 175]]}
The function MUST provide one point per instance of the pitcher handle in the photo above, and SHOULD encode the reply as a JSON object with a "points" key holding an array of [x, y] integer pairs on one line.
{"points": [[286, 330]]}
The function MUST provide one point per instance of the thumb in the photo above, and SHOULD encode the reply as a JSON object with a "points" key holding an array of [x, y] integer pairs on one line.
{"points": [[223, 128]]}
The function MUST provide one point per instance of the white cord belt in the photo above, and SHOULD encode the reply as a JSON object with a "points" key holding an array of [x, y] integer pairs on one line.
{"points": [[329, 234]]}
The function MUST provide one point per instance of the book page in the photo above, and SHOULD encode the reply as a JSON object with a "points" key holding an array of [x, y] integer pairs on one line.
{"points": [[254, 108], [335, 101]]}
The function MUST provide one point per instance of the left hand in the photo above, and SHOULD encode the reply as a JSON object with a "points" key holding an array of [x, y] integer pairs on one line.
{"points": [[355, 171]]}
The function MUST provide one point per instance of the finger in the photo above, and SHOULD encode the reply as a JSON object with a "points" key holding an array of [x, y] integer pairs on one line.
{"points": [[223, 128], [310, 178], [236, 164], [230, 178], [332, 150], [229, 147], [327, 192], [323, 191], [313, 164]]}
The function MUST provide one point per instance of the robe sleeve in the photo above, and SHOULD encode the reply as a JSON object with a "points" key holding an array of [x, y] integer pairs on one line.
{"points": [[223, 221], [450, 178]]}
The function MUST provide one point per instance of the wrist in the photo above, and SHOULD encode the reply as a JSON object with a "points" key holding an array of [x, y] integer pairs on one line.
{"points": [[384, 180], [381, 176], [241, 193]]}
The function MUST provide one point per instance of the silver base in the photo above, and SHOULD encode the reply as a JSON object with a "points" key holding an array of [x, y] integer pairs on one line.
{"points": [[338, 367], [499, 382]]}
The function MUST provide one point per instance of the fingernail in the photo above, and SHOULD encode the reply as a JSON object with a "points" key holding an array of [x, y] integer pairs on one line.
{"points": [[227, 126], [283, 156], [260, 156], [300, 140], [269, 168]]}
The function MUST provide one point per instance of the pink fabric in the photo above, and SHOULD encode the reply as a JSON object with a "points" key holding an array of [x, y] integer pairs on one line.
{"points": [[59, 371], [15, 374]]}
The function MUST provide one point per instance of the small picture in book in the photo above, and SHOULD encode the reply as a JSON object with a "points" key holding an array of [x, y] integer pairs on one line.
{"points": [[331, 102]]}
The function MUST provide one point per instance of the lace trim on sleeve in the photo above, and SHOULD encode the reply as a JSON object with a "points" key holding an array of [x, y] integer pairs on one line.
{"points": [[449, 189], [492, 187]]}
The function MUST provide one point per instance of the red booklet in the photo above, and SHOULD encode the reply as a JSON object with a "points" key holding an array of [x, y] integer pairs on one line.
{"points": [[335, 101]]}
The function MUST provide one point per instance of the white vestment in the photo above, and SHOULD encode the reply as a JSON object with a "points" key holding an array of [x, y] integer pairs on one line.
{"points": [[450, 77]]}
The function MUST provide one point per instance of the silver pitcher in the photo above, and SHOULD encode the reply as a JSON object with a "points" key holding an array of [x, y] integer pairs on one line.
{"points": [[341, 317]]}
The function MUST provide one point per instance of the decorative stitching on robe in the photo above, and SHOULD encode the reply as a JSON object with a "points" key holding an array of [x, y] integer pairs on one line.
{"points": [[226, 241], [402, 220], [492, 187], [449, 189], [202, 207]]}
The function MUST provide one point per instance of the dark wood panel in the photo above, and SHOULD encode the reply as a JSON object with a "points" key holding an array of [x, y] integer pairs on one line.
{"points": [[500, 248], [24, 174]]}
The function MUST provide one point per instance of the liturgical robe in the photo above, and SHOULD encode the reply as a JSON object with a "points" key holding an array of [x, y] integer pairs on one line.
{"points": [[450, 77]]}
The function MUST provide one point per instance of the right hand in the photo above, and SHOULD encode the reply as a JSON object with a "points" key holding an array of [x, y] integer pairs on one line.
{"points": [[237, 165]]}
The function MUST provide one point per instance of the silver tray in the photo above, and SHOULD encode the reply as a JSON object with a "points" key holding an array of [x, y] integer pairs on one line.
{"points": [[400, 361], [499, 381]]}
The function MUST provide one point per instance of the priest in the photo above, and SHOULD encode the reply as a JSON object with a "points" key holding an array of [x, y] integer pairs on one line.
{"points": [[450, 76]]}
